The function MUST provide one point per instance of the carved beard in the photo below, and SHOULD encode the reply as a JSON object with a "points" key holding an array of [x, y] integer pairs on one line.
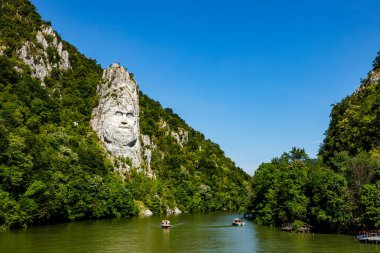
{"points": [[125, 137]]}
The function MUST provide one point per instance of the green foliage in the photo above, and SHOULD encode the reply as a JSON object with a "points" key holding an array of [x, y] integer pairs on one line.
{"points": [[286, 190], [340, 191], [369, 205], [196, 176], [329, 195], [17, 23], [354, 125], [279, 190], [52, 168]]}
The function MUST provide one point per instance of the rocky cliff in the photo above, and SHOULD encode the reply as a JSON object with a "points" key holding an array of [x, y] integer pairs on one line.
{"points": [[81, 142], [116, 118], [45, 55]]}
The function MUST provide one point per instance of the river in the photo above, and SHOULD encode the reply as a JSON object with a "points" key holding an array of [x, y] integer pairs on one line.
{"points": [[211, 232]]}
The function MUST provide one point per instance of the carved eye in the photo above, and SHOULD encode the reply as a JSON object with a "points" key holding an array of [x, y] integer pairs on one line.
{"points": [[118, 113], [130, 115]]}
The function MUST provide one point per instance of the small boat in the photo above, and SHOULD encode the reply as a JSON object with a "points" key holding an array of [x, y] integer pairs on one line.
{"points": [[362, 236], [374, 239], [165, 224], [237, 222], [368, 237]]}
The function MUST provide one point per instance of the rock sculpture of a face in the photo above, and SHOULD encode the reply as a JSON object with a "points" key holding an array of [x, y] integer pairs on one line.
{"points": [[116, 118], [120, 122]]}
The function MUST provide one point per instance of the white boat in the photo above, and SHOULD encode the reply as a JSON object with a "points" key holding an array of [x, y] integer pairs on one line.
{"points": [[165, 224], [374, 239], [237, 222]]}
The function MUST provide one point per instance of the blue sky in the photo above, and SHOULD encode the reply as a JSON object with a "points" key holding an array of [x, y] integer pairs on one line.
{"points": [[256, 77]]}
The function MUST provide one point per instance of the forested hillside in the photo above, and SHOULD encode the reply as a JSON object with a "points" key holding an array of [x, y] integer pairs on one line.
{"points": [[52, 166], [195, 174], [341, 190]]}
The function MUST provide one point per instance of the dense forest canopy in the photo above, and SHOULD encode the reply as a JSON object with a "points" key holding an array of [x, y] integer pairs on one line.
{"points": [[52, 165], [340, 191]]}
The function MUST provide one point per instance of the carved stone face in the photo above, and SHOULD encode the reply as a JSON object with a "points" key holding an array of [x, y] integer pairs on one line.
{"points": [[120, 122], [116, 118]]}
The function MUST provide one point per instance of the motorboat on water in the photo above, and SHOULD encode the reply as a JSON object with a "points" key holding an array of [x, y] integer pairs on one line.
{"points": [[165, 224], [237, 222]]}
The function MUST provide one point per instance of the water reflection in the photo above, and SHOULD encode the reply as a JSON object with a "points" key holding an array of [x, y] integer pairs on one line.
{"points": [[210, 232]]}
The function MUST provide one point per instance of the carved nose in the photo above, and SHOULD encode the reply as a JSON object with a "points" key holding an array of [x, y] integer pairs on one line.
{"points": [[124, 120]]}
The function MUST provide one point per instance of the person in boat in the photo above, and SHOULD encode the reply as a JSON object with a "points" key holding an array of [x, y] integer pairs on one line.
{"points": [[165, 222]]}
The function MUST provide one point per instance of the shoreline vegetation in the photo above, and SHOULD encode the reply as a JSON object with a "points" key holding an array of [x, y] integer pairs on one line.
{"points": [[52, 165], [53, 168], [340, 190]]}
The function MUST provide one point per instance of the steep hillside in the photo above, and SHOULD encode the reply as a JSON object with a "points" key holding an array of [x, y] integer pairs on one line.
{"points": [[54, 167], [340, 191], [355, 121], [194, 172]]}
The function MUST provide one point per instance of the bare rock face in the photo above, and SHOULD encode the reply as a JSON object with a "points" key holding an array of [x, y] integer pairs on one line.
{"points": [[2, 48], [147, 150], [145, 140], [38, 58], [116, 118], [173, 211], [373, 78], [182, 137]]}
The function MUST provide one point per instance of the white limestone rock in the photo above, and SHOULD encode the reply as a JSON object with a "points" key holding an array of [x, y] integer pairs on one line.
{"points": [[19, 70], [37, 58], [148, 146], [40, 69], [147, 212], [64, 62], [143, 210], [145, 140], [48, 30], [173, 211], [2, 49], [41, 39], [163, 124], [182, 137], [116, 118], [148, 157], [374, 77]]}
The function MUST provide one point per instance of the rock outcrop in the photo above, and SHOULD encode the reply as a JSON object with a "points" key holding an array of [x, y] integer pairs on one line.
{"points": [[182, 136], [2, 48], [116, 118], [147, 147], [173, 211], [373, 78], [143, 210], [46, 55]]}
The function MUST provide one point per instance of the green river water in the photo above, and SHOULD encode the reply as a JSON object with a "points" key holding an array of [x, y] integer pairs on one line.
{"points": [[211, 232]]}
